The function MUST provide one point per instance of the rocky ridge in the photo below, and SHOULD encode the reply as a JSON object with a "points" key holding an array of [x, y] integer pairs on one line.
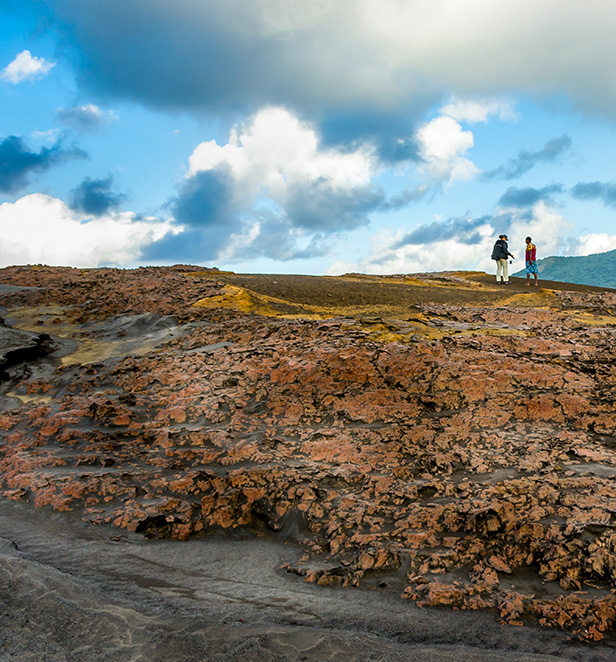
{"points": [[433, 435]]}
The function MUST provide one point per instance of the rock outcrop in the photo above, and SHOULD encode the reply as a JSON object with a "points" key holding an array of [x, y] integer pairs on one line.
{"points": [[456, 446]]}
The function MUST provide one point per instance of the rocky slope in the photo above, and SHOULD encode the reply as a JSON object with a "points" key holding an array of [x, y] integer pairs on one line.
{"points": [[437, 436]]}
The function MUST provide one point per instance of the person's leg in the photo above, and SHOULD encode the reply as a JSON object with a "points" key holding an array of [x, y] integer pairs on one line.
{"points": [[506, 270], [499, 269], [528, 278], [536, 280], [502, 267]]}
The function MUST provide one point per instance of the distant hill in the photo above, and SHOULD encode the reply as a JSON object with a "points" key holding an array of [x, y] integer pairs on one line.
{"points": [[598, 269]]}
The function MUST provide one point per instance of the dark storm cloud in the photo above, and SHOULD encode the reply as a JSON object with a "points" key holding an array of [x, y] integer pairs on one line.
{"points": [[94, 196], [211, 56], [319, 207], [603, 191], [526, 160], [462, 229], [193, 55], [18, 163], [527, 197]]}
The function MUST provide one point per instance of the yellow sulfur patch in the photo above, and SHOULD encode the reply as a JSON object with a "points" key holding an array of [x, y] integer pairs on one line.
{"points": [[595, 320]]}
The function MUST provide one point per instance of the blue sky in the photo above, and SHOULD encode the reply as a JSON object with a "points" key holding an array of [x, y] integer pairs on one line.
{"points": [[305, 136]]}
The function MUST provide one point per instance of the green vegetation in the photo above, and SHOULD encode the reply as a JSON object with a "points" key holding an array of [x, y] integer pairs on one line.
{"points": [[598, 269]]}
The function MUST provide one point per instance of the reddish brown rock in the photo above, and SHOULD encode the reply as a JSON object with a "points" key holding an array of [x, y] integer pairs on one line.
{"points": [[475, 448]]}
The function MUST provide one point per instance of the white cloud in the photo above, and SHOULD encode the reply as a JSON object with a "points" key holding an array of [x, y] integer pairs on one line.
{"points": [[593, 243], [38, 229], [547, 227], [479, 110], [274, 151], [443, 144], [26, 67], [388, 254]]}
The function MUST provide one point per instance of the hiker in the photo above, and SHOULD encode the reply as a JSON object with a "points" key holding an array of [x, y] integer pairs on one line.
{"points": [[501, 253], [531, 261]]}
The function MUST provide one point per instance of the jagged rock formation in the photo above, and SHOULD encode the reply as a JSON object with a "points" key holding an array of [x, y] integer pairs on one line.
{"points": [[435, 435]]}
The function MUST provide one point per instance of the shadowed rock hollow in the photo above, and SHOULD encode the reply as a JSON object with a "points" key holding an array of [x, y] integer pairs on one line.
{"points": [[437, 436]]}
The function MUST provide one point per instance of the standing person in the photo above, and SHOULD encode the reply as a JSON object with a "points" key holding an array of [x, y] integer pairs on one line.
{"points": [[501, 253], [531, 261]]}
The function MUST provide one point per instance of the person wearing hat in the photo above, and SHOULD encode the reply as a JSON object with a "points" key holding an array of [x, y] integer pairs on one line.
{"points": [[501, 254]]}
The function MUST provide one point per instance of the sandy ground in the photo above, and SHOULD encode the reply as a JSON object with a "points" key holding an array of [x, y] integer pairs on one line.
{"points": [[71, 593], [476, 288]]}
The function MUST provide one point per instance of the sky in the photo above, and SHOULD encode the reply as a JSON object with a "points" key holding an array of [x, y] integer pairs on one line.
{"points": [[305, 136]]}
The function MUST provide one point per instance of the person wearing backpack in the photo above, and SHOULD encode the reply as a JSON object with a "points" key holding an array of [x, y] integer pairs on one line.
{"points": [[501, 254]]}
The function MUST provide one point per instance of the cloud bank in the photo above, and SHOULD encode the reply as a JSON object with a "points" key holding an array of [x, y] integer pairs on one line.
{"points": [[337, 110], [44, 230], [455, 243], [340, 54]]}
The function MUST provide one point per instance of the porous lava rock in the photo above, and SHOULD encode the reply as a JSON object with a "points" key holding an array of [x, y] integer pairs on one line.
{"points": [[460, 454]]}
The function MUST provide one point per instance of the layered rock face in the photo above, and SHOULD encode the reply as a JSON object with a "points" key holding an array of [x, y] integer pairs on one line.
{"points": [[435, 435]]}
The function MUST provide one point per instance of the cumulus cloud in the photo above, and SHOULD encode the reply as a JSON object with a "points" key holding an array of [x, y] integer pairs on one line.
{"points": [[94, 196], [85, 118], [526, 160], [443, 144], [18, 163], [40, 229], [25, 66], [273, 179], [275, 150], [592, 243], [602, 191], [527, 197], [362, 71]]}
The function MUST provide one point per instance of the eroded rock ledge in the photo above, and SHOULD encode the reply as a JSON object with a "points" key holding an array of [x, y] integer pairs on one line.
{"points": [[456, 446]]}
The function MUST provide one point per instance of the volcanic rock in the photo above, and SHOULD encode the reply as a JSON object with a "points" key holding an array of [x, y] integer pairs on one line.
{"points": [[434, 431]]}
